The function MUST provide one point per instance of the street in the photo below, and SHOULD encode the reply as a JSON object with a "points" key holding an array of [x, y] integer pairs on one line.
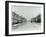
{"points": [[27, 27]]}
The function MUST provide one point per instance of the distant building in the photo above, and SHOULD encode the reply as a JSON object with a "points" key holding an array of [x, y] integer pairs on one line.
{"points": [[16, 19], [36, 19]]}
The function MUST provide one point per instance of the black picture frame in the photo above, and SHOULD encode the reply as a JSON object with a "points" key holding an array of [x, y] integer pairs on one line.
{"points": [[7, 17]]}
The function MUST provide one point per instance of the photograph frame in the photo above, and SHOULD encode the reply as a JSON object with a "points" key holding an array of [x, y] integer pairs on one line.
{"points": [[7, 17]]}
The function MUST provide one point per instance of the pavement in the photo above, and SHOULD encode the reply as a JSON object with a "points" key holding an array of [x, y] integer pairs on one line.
{"points": [[26, 26]]}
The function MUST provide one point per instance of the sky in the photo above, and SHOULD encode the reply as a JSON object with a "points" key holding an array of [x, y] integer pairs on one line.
{"points": [[26, 11]]}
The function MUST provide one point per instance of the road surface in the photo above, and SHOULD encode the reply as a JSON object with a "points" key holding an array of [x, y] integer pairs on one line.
{"points": [[27, 27]]}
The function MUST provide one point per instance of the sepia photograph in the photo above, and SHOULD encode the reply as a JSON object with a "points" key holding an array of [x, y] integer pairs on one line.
{"points": [[25, 18]]}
